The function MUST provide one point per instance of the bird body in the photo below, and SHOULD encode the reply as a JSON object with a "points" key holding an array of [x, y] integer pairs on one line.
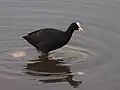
{"points": [[49, 39]]}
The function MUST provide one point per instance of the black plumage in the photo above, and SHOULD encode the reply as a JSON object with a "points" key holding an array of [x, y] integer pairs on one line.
{"points": [[49, 39]]}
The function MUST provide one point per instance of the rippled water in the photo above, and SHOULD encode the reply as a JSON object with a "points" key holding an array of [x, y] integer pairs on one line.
{"points": [[95, 52]]}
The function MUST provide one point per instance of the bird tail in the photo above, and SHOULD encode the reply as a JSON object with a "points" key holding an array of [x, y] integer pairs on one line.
{"points": [[25, 37]]}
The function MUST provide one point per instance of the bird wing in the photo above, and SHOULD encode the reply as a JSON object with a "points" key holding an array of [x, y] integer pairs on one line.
{"points": [[43, 35]]}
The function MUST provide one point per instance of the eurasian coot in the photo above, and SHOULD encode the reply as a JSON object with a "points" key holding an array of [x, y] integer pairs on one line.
{"points": [[49, 39]]}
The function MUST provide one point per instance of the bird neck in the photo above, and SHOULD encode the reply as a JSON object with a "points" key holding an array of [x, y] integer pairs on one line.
{"points": [[69, 33], [70, 30]]}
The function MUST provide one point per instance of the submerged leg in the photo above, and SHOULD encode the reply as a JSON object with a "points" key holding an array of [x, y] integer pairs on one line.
{"points": [[44, 56]]}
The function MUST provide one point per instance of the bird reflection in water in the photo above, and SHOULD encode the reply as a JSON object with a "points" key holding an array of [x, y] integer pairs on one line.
{"points": [[43, 66]]}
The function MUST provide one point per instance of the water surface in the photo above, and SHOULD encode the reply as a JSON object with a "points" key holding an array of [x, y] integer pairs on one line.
{"points": [[94, 52]]}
